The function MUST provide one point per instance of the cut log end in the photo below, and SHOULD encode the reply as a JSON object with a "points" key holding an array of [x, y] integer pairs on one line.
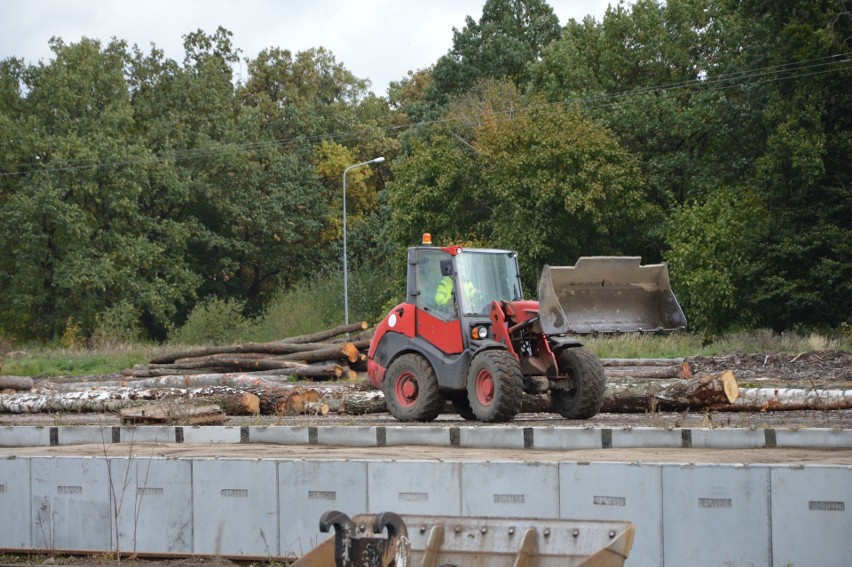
{"points": [[729, 383]]}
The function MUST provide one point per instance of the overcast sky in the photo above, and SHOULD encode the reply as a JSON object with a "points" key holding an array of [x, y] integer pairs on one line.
{"points": [[379, 40]]}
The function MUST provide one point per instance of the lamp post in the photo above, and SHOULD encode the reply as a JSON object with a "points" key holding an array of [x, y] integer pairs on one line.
{"points": [[345, 269]]}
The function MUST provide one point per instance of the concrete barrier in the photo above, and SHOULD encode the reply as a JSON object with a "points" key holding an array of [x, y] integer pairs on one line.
{"points": [[776, 514], [723, 514], [557, 438]]}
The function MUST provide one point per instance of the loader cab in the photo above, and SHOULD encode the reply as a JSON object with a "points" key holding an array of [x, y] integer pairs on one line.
{"points": [[453, 283]]}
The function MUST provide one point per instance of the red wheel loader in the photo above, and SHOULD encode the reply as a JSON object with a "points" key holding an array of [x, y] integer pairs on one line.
{"points": [[466, 334]]}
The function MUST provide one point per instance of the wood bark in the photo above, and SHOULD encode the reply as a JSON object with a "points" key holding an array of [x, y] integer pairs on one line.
{"points": [[238, 404], [791, 399], [16, 383], [612, 373], [348, 351], [273, 367], [713, 391], [708, 391], [607, 362], [245, 348], [237, 380], [326, 334], [647, 367], [360, 403], [303, 402]]}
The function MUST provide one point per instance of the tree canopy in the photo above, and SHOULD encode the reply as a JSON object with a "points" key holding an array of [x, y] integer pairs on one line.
{"points": [[711, 135]]}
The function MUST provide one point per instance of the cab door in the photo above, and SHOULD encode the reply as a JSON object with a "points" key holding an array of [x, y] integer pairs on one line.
{"points": [[435, 323]]}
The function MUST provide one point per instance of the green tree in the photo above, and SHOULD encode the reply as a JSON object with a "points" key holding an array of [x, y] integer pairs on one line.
{"points": [[724, 98], [799, 151], [710, 258], [77, 238], [537, 178], [561, 186], [509, 35]]}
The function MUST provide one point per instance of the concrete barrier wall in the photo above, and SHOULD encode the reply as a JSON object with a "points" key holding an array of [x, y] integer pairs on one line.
{"points": [[684, 514], [497, 437]]}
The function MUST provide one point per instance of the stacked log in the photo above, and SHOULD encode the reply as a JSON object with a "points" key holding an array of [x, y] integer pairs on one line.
{"points": [[20, 383], [617, 368], [302, 356], [236, 394]]}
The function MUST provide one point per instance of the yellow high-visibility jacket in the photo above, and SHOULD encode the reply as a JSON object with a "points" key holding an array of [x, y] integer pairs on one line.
{"points": [[445, 291]]}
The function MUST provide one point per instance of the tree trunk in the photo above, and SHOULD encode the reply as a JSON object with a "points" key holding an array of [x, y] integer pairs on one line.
{"points": [[272, 367], [327, 334], [360, 403], [299, 402], [16, 383], [249, 349], [709, 391], [349, 351], [647, 367], [791, 399], [642, 372], [238, 404], [643, 395], [238, 380]]}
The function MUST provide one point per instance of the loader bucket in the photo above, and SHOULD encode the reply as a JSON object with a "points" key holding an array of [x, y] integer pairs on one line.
{"points": [[420, 541], [608, 294]]}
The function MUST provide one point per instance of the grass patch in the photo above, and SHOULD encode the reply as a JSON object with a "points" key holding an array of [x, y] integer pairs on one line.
{"points": [[56, 361], [46, 361], [681, 345]]}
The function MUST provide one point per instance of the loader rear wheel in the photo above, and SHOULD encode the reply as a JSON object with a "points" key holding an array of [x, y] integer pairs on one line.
{"points": [[411, 389], [586, 372], [494, 386]]}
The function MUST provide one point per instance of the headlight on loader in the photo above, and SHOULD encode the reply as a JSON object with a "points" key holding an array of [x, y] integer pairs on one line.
{"points": [[479, 333]]}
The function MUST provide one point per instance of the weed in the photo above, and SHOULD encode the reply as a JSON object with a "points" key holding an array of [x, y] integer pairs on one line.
{"points": [[44, 522]]}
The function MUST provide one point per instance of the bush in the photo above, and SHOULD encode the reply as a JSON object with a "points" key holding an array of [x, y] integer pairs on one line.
{"points": [[297, 311], [117, 325], [319, 304], [214, 321]]}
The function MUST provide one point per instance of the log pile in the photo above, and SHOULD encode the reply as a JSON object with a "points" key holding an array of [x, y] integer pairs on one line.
{"points": [[254, 378], [318, 356]]}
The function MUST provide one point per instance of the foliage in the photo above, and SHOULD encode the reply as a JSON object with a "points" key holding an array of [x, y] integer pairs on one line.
{"points": [[540, 179], [136, 189], [318, 304], [117, 325], [214, 321], [729, 104], [709, 259], [561, 187], [509, 35]]}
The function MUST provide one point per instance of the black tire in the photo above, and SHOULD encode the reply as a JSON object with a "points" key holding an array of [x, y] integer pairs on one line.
{"points": [[462, 406], [494, 386], [585, 398], [411, 389]]}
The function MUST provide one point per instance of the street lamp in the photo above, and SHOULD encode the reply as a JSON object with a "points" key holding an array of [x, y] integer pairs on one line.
{"points": [[345, 270]]}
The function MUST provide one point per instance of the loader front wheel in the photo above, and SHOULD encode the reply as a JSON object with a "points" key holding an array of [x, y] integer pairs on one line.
{"points": [[494, 386], [586, 374], [411, 389]]}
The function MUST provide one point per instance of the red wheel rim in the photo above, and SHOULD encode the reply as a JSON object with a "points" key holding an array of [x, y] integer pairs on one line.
{"points": [[484, 387], [406, 389]]}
